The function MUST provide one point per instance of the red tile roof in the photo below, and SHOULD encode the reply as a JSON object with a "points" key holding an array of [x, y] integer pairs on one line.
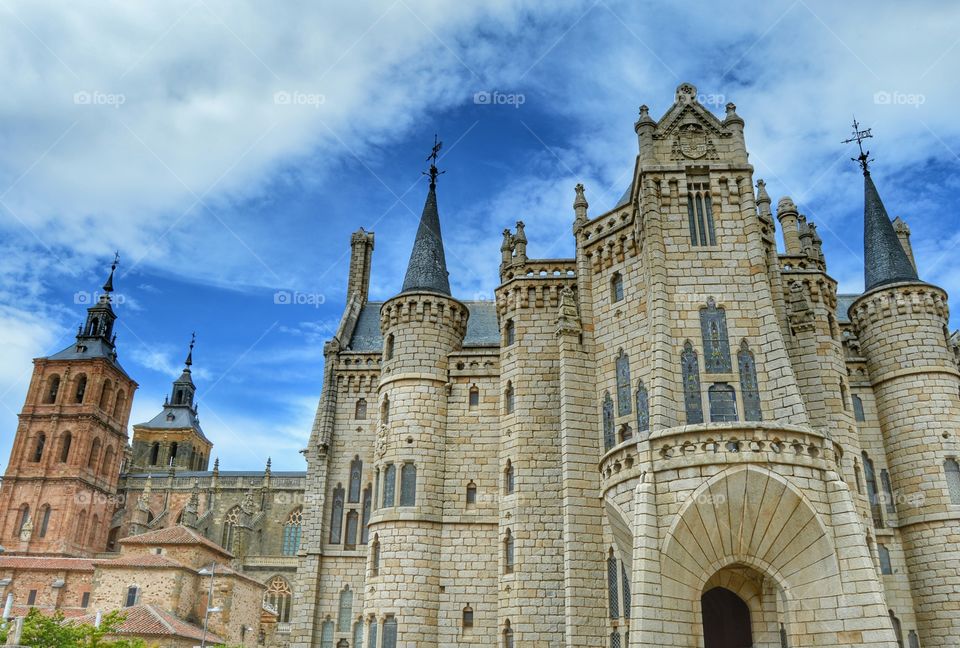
{"points": [[148, 621], [46, 563], [175, 535], [141, 560]]}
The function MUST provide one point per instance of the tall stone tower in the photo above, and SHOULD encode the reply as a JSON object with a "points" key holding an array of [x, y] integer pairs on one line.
{"points": [[901, 324], [59, 491], [173, 438], [421, 327]]}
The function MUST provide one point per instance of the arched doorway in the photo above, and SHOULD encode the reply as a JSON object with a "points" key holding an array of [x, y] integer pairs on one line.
{"points": [[726, 620]]}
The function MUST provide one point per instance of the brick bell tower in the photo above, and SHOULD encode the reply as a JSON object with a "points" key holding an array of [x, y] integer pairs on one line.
{"points": [[60, 488]]}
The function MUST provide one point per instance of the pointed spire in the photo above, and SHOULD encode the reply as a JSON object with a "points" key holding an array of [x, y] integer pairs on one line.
{"points": [[884, 259], [108, 286], [189, 361], [427, 269]]}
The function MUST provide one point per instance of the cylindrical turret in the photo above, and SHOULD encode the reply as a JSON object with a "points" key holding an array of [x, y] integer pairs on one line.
{"points": [[787, 215], [901, 331]]}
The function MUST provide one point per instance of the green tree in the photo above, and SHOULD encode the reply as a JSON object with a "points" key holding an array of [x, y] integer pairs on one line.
{"points": [[41, 631]]}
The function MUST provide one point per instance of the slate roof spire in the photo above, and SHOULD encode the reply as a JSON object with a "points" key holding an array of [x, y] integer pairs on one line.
{"points": [[884, 259], [427, 269]]}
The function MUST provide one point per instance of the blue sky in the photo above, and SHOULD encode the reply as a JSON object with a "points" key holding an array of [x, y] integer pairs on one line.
{"points": [[228, 150]]}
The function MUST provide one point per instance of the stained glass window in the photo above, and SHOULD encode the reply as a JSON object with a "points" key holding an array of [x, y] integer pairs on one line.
{"points": [[749, 389], [345, 611], [693, 404], [858, 408], [615, 639], [365, 518], [609, 440], [390, 633], [884, 553], [723, 402], [279, 596], [616, 287], [716, 346], [643, 411], [613, 595], [623, 383], [408, 485], [356, 474], [627, 598], [326, 634], [291, 532], [358, 634], [336, 515], [350, 542], [389, 484], [372, 634]]}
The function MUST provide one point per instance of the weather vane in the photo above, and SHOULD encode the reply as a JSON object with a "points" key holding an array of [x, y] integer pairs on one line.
{"points": [[858, 136], [432, 159]]}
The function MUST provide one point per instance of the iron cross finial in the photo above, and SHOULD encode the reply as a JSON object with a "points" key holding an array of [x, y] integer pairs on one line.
{"points": [[864, 158], [432, 159]]}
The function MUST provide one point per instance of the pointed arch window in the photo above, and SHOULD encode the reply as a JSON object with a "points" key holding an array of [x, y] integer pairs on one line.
{"points": [[690, 369], [508, 552], [292, 529], [873, 493], [326, 634], [94, 454], [279, 596], [508, 478], [365, 515], [885, 567], [345, 610], [716, 345], [231, 520], [609, 439], [467, 618], [336, 515], [388, 348], [375, 556], [358, 633], [408, 485], [623, 383], [356, 474], [508, 398], [507, 635], [643, 410], [471, 494], [133, 594], [749, 388], [613, 595], [81, 388], [700, 214], [385, 410], [38, 449], [858, 409], [474, 397], [81, 527], [154, 453], [897, 628], [24, 518], [119, 403], [106, 467], [627, 597], [65, 444], [912, 640], [94, 531], [615, 639], [353, 521], [53, 388], [389, 484], [372, 633], [360, 410], [723, 403], [390, 632], [952, 470], [887, 491], [616, 287], [105, 393], [44, 520], [509, 333]]}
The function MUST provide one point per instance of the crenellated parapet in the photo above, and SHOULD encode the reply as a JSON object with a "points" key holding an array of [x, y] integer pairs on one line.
{"points": [[907, 299], [424, 309], [523, 294]]}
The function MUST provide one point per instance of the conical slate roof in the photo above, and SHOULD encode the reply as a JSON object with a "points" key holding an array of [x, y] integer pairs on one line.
{"points": [[884, 260], [427, 270]]}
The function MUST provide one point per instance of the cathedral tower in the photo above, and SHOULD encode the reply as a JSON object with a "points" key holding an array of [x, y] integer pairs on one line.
{"points": [[901, 324], [59, 491], [421, 326], [173, 437]]}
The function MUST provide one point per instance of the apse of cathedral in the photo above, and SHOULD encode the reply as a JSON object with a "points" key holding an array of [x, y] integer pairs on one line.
{"points": [[681, 436]]}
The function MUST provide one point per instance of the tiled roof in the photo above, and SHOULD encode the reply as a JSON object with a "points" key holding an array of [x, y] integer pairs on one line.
{"points": [[175, 535], [844, 301], [46, 563], [146, 620], [146, 561]]}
